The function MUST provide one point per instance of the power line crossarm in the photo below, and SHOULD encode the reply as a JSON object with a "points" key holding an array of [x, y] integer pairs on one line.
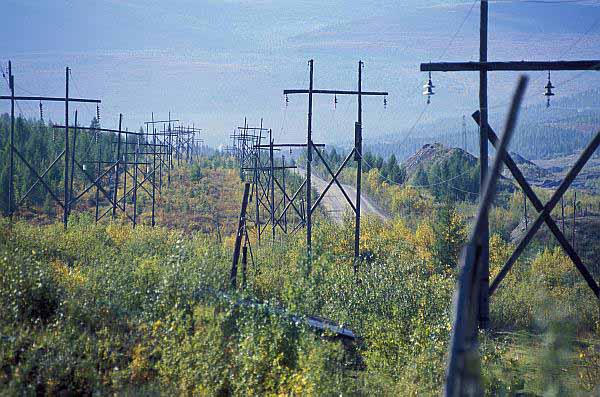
{"points": [[50, 99], [335, 92], [593, 64]]}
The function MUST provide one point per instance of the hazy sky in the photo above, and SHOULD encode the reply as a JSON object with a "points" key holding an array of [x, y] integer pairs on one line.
{"points": [[212, 63]]}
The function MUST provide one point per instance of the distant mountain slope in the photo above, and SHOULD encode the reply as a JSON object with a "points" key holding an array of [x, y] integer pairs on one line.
{"points": [[530, 170]]}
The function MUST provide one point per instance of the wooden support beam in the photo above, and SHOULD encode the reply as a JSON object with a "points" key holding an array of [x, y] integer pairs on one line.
{"points": [[335, 92], [533, 228], [593, 64], [50, 99], [102, 130], [289, 145], [160, 121], [464, 373], [539, 207], [238, 237]]}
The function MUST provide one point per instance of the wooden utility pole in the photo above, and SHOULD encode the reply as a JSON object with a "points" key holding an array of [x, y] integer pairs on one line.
{"points": [[125, 170], [544, 212], [257, 197], [11, 170], [72, 175], [463, 377], [358, 159], [265, 192], [484, 307], [483, 67], [272, 185], [525, 210], [238, 237], [135, 179], [284, 194], [98, 164], [66, 185], [356, 151], [153, 169], [309, 168], [117, 162]]}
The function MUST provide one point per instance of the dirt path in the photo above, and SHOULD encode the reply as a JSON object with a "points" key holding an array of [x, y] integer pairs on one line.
{"points": [[334, 202]]}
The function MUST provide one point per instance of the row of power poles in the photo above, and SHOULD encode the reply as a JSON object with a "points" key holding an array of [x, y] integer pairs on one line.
{"points": [[134, 165], [289, 212]]}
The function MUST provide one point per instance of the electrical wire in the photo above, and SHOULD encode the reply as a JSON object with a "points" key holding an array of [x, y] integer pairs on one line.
{"points": [[4, 75], [568, 50], [77, 92], [20, 87], [458, 29], [414, 125]]}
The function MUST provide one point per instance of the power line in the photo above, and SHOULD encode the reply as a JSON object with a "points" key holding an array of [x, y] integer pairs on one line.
{"points": [[414, 125], [458, 29]]}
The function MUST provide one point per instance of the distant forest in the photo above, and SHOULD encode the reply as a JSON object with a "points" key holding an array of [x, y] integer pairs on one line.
{"points": [[457, 166]]}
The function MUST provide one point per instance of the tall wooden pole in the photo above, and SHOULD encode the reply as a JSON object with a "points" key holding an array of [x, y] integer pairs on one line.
{"points": [[238, 237], [170, 153], [116, 183], [99, 153], [135, 180], [72, 175], [284, 194], [272, 185], [358, 158], [11, 170], [256, 196], [125, 169], [484, 308], [153, 168], [66, 182], [308, 166], [162, 160]]}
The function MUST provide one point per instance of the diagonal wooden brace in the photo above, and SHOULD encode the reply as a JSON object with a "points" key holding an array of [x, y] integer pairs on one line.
{"points": [[544, 214], [285, 195], [334, 179], [291, 200], [38, 177], [463, 375], [547, 218]]}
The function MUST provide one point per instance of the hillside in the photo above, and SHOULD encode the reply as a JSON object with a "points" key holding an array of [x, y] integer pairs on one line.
{"points": [[446, 172], [435, 154]]}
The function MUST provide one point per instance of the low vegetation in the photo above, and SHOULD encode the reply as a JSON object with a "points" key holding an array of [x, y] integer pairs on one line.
{"points": [[110, 309]]}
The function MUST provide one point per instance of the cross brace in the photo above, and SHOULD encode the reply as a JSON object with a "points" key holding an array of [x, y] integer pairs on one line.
{"points": [[544, 212]]}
